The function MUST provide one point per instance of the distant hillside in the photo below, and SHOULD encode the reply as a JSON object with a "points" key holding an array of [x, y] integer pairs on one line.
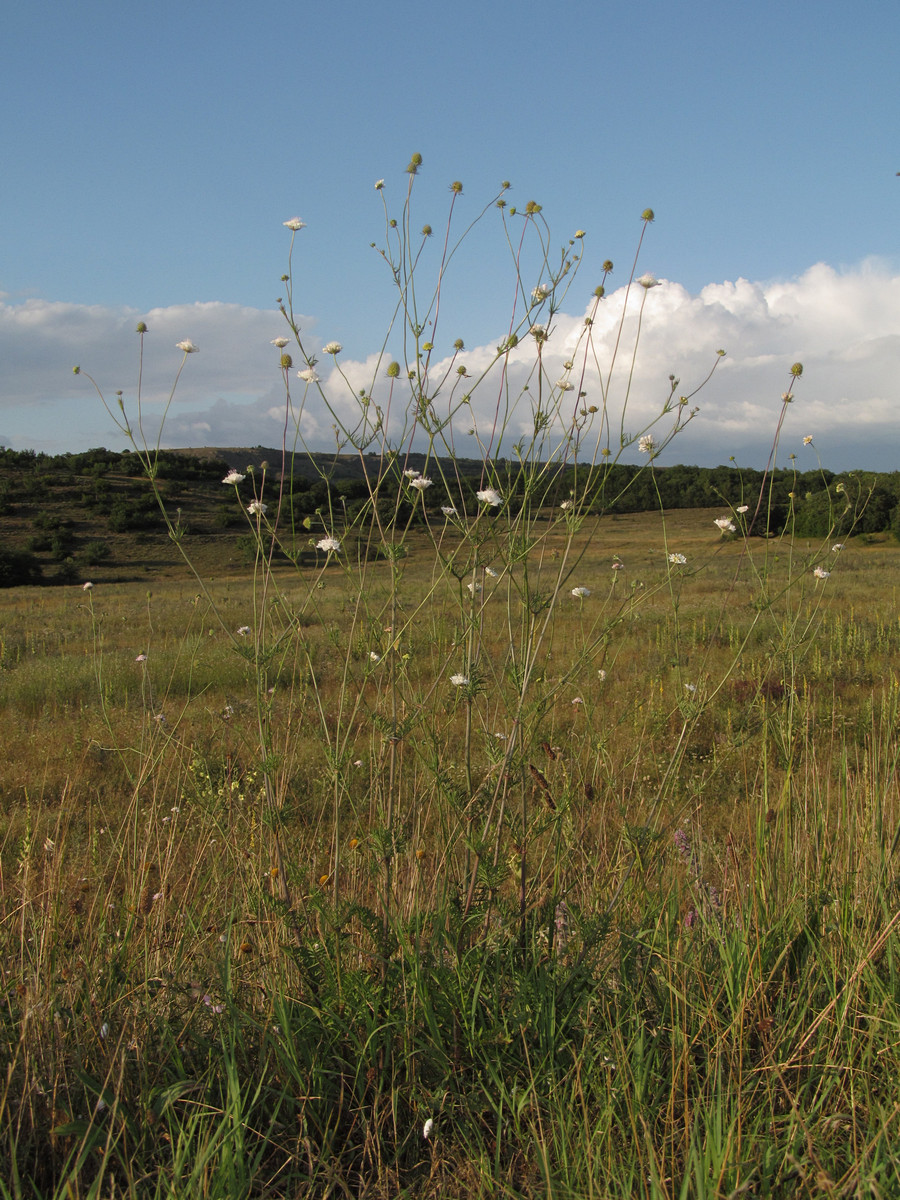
{"points": [[95, 515], [312, 465]]}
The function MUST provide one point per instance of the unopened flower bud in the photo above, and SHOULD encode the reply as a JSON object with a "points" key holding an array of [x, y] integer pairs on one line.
{"points": [[393, 371], [456, 187], [286, 362], [141, 327], [797, 370], [648, 215]]}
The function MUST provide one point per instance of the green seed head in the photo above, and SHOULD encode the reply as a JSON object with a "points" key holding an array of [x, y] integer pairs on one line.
{"points": [[141, 327], [648, 215], [797, 370], [393, 370]]}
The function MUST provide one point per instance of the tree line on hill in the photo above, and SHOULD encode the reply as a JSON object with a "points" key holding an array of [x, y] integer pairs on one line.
{"points": [[109, 491]]}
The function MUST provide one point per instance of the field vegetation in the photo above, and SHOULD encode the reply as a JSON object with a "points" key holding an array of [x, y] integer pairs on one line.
{"points": [[481, 838]]}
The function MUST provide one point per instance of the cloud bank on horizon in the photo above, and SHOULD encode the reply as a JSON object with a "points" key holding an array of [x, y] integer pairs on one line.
{"points": [[844, 326]]}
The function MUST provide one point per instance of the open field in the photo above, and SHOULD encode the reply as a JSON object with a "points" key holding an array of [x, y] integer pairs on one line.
{"points": [[617, 913]]}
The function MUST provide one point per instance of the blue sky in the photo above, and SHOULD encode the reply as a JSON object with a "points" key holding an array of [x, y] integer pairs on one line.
{"points": [[155, 151]]}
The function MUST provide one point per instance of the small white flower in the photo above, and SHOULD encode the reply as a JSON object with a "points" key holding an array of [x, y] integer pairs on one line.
{"points": [[601, 674], [581, 592], [244, 631], [578, 700], [187, 346], [374, 657], [428, 1129], [411, 473], [725, 524], [647, 444], [332, 348], [677, 558], [541, 292], [808, 439], [141, 658], [421, 483], [821, 573], [86, 587], [459, 680], [489, 496], [104, 1031], [474, 588], [256, 508], [648, 281], [690, 687], [329, 544], [566, 505], [742, 508], [539, 333], [294, 224], [448, 510], [279, 342], [308, 375], [618, 565], [491, 572], [565, 386], [837, 547], [379, 184], [234, 477]]}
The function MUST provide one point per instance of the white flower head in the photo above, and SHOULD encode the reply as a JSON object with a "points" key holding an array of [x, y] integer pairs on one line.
{"points": [[141, 658], [821, 573], [86, 587], [374, 656], [474, 588], [566, 505], [601, 674], [187, 346], [742, 508], [489, 496], [725, 524], [448, 510], [329, 544], [234, 477], [618, 565], [837, 547], [379, 184], [565, 386], [244, 630], [411, 473], [648, 281], [308, 375], [428, 1129], [647, 444], [491, 572], [421, 483], [541, 292], [459, 680], [279, 342], [256, 508], [294, 224], [332, 348], [581, 593], [678, 559], [808, 439]]}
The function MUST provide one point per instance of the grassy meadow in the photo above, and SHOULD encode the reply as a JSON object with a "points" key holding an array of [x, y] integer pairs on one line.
{"points": [[649, 952]]}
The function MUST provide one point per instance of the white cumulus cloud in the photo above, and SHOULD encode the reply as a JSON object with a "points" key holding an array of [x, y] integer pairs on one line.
{"points": [[844, 326]]}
